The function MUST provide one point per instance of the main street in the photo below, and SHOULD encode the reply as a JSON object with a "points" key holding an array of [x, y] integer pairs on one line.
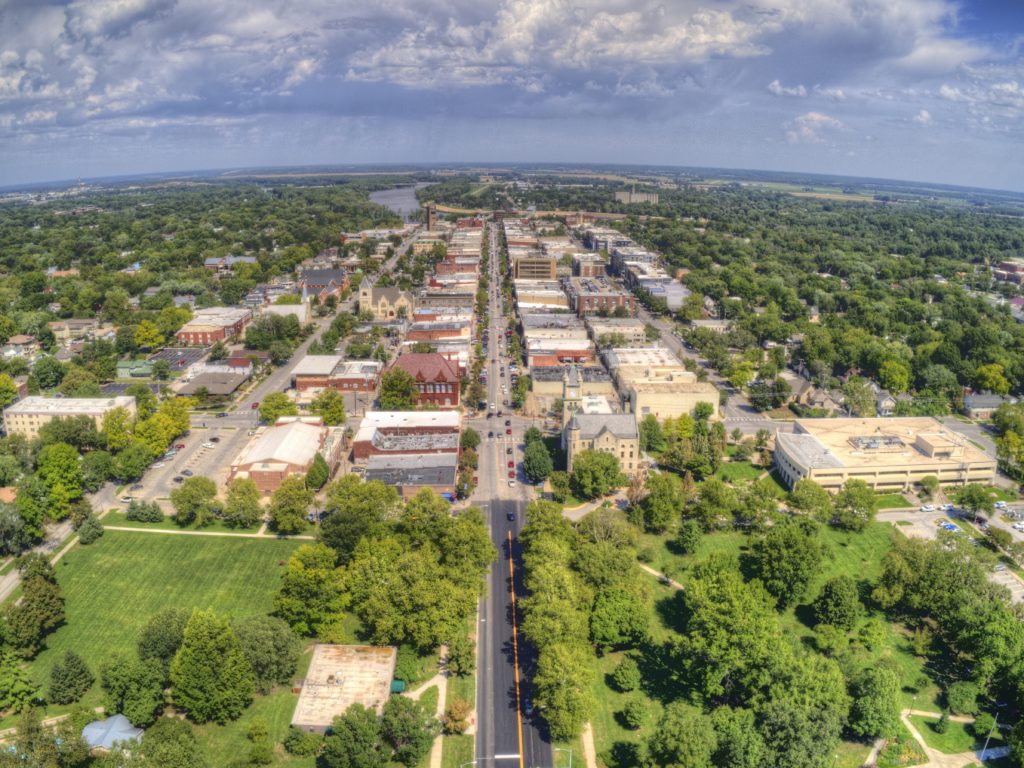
{"points": [[506, 735]]}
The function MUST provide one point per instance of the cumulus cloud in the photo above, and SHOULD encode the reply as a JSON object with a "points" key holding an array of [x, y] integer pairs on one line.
{"points": [[808, 128], [777, 88], [923, 117]]}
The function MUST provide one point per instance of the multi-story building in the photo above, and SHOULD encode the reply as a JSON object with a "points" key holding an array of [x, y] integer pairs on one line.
{"points": [[323, 282], [26, 417], [596, 295], [589, 265], [214, 324], [534, 266], [437, 378], [616, 433], [886, 453], [1009, 271], [406, 432], [630, 331], [332, 372], [385, 302]]}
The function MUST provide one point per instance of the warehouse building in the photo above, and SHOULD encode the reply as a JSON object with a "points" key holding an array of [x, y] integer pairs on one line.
{"points": [[287, 449]]}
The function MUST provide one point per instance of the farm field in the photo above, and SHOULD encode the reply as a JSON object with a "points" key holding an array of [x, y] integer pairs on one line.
{"points": [[112, 587]]}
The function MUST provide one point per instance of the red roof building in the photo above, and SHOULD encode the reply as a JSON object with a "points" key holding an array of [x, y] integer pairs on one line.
{"points": [[436, 377]]}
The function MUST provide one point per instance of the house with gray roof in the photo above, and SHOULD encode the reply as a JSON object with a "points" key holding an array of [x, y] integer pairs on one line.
{"points": [[616, 434]]}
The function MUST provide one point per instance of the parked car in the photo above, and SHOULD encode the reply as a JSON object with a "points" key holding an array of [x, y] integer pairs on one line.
{"points": [[490, 434], [508, 422], [511, 465], [511, 483], [511, 473], [180, 446], [127, 499], [999, 567], [255, 405], [159, 465], [136, 487], [1000, 505], [177, 479], [187, 472], [928, 508], [511, 516], [508, 431], [214, 439], [208, 445]]}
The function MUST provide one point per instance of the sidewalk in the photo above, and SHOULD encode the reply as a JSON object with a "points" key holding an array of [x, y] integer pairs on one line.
{"points": [[441, 681], [937, 759]]}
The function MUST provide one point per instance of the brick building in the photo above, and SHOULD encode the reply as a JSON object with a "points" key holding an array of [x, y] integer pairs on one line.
{"points": [[214, 324], [436, 378]]}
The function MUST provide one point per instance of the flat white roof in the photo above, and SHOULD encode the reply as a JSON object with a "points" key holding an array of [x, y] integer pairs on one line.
{"points": [[316, 365], [375, 420], [293, 443], [70, 405]]}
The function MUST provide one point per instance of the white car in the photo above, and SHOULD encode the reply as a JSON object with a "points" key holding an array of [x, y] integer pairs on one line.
{"points": [[1000, 505], [158, 465], [947, 507], [209, 445], [928, 508], [511, 483]]}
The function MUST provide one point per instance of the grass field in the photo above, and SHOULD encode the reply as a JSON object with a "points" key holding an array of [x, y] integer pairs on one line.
{"points": [[957, 738], [892, 501], [738, 472], [112, 587]]}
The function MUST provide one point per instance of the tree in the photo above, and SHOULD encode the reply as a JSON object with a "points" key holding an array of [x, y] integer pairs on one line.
{"points": [[976, 499], [894, 376], [161, 369], [15, 688], [461, 659], [329, 405], [652, 439], [131, 462], [838, 604], [242, 509], [991, 378], [355, 740], [559, 485], [594, 474], [289, 505], [357, 509], [57, 746], [312, 594], [874, 711], [409, 729], [564, 687], [59, 464], [275, 405], [664, 502], [133, 688], [161, 636], [685, 738], [270, 647], [689, 537], [470, 439], [147, 334], [318, 473], [739, 743], [626, 675], [210, 676], [48, 372], [70, 679], [219, 351], [962, 698], [90, 530], [619, 618], [170, 743], [97, 468], [398, 390], [855, 505], [193, 501], [768, 394], [456, 717], [787, 558], [13, 536], [811, 499], [8, 390], [537, 464], [860, 399]]}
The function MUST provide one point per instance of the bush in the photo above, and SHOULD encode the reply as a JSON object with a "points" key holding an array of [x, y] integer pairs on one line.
{"points": [[942, 724], [456, 717], [302, 744], [634, 714], [90, 530], [408, 666], [689, 537], [962, 698], [144, 512], [627, 675], [70, 679], [983, 724]]}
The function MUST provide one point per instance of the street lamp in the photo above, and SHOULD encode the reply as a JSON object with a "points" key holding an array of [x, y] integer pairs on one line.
{"points": [[563, 749]]}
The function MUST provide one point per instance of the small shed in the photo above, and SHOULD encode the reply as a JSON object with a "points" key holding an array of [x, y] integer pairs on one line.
{"points": [[103, 734]]}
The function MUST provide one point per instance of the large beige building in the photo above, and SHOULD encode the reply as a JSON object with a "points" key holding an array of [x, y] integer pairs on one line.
{"points": [[27, 416], [385, 302], [287, 449], [669, 397], [615, 433], [887, 453]]}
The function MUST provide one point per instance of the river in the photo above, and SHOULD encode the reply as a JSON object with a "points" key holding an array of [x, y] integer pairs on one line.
{"points": [[401, 200]]}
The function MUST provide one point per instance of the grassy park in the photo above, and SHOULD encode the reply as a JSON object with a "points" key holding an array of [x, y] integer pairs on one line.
{"points": [[112, 587]]}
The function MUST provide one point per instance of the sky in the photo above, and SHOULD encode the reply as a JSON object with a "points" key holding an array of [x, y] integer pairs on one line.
{"points": [[929, 90]]}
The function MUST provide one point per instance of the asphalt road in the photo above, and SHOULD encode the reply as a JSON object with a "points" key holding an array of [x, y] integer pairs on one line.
{"points": [[506, 736]]}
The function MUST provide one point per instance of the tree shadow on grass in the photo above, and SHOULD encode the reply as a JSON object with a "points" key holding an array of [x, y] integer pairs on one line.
{"points": [[659, 673], [671, 610]]}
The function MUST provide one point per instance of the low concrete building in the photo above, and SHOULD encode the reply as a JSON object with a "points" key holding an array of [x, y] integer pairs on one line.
{"points": [[300, 311], [340, 676], [585, 380], [630, 330], [669, 397], [616, 434], [887, 453], [406, 432], [411, 473], [332, 372], [285, 449], [26, 417]]}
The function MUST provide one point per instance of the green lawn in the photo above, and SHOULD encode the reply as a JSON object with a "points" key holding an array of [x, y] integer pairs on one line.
{"points": [[738, 472], [851, 754], [957, 738], [893, 501], [112, 587]]}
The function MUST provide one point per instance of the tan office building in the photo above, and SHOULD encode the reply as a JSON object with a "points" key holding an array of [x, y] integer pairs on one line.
{"points": [[886, 453], [26, 417]]}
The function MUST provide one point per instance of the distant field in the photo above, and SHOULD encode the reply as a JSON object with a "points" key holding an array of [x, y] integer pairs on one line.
{"points": [[112, 587]]}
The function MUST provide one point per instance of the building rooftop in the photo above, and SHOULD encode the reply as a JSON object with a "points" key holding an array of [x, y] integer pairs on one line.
{"points": [[641, 356], [590, 425], [413, 469], [214, 383], [69, 406], [859, 443], [340, 676], [296, 442], [219, 316], [410, 420], [316, 365]]}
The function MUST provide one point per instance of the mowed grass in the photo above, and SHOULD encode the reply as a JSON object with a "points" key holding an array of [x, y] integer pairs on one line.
{"points": [[957, 738], [892, 501], [112, 587], [738, 472]]}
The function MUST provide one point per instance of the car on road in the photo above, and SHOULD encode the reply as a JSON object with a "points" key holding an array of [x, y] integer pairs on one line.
{"points": [[214, 439], [946, 507], [180, 446], [255, 405], [208, 445], [512, 483], [999, 567], [512, 473], [527, 707], [508, 431], [158, 465], [508, 422], [136, 487], [928, 508], [222, 414], [127, 499], [491, 433], [510, 516], [1000, 505], [177, 479], [187, 472], [509, 450], [511, 465]]}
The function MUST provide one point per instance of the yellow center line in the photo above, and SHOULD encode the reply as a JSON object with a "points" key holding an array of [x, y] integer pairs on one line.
{"points": [[515, 649]]}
